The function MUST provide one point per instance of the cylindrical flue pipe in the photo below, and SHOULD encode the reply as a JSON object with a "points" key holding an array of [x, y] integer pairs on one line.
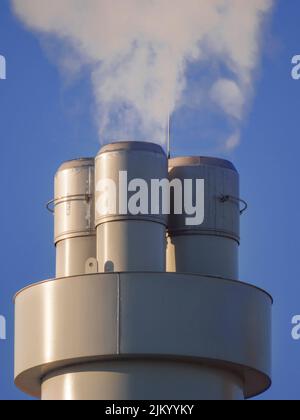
{"points": [[75, 236], [129, 239], [212, 247], [143, 380]]}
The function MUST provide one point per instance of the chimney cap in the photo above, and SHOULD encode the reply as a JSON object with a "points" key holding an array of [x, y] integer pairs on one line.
{"points": [[77, 163], [131, 146], [201, 160]]}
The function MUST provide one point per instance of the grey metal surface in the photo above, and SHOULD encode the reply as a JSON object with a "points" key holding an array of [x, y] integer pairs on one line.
{"points": [[74, 209], [73, 254], [131, 245], [76, 163], [210, 248], [152, 380], [132, 146], [127, 242], [74, 199], [202, 160], [167, 317], [208, 255], [137, 332], [220, 218]]}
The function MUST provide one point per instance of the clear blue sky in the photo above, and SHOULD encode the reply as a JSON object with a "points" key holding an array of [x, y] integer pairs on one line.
{"points": [[43, 122]]}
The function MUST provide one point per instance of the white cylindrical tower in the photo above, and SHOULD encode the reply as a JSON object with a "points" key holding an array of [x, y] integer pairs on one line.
{"points": [[129, 239], [74, 207], [212, 247]]}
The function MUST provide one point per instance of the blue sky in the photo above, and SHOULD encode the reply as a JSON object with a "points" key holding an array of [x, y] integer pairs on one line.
{"points": [[43, 122]]}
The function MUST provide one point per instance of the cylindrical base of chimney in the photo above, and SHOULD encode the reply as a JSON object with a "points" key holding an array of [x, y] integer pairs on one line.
{"points": [[149, 251], [72, 255], [142, 380], [142, 336], [204, 254]]}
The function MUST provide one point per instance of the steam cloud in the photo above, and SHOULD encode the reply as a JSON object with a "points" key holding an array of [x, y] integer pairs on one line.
{"points": [[139, 52]]}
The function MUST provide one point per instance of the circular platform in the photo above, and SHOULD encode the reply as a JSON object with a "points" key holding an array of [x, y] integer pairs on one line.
{"points": [[179, 318]]}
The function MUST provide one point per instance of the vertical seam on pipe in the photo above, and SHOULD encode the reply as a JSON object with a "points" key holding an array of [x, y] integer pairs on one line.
{"points": [[89, 192], [118, 313]]}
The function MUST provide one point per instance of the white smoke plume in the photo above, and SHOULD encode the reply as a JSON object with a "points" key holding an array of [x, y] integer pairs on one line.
{"points": [[138, 52]]}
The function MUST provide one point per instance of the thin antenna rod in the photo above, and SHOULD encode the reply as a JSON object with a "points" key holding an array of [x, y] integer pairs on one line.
{"points": [[169, 135]]}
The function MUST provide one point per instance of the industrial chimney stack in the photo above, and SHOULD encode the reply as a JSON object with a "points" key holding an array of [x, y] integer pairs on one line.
{"points": [[143, 306]]}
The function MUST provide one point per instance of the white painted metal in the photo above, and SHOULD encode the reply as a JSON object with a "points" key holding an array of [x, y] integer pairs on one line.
{"points": [[126, 242], [135, 332], [212, 248], [145, 319], [142, 380], [75, 236]]}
